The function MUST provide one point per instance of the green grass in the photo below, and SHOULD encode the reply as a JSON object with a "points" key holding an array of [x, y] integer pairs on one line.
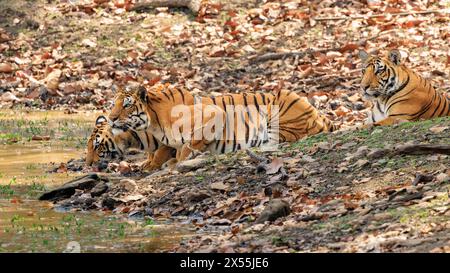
{"points": [[7, 190], [35, 189], [377, 137], [10, 137], [148, 222], [309, 141]]}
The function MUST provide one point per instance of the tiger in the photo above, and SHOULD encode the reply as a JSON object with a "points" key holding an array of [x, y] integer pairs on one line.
{"points": [[398, 93], [142, 110], [104, 145]]}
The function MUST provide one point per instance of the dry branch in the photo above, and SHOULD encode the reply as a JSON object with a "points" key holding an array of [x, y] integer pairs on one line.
{"points": [[256, 157], [376, 15], [311, 52], [193, 5], [420, 149]]}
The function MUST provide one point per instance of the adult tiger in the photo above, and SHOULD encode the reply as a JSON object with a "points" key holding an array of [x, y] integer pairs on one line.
{"points": [[103, 144], [398, 93], [141, 110]]}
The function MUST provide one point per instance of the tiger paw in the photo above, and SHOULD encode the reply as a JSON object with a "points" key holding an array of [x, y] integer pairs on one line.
{"points": [[171, 164], [367, 126], [148, 166]]}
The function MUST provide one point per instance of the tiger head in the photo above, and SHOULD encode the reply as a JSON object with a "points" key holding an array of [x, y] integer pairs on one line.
{"points": [[382, 76], [128, 111], [102, 144]]}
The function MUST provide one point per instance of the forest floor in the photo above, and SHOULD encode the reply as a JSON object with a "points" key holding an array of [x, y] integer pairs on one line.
{"points": [[346, 191], [350, 191], [71, 54]]}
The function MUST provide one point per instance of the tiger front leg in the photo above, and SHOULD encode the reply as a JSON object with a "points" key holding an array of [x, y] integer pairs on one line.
{"points": [[146, 166], [390, 121], [188, 148], [157, 159]]}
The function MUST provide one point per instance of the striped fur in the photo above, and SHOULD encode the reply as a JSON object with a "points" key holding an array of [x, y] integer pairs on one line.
{"points": [[397, 93], [151, 111], [104, 145]]}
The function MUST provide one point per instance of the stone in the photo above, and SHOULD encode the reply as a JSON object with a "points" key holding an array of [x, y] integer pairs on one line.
{"points": [[190, 165], [128, 185], [275, 209], [68, 189], [99, 189], [442, 178], [362, 162], [124, 167], [197, 196]]}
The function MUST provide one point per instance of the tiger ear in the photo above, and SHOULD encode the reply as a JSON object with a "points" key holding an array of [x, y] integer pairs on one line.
{"points": [[142, 91], [395, 56], [100, 120], [363, 55]]}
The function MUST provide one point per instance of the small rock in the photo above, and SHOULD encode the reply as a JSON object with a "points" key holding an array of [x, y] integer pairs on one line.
{"points": [[292, 183], [377, 153], [109, 203], [197, 196], [358, 106], [219, 186], [334, 104], [127, 184], [362, 162], [442, 178], [102, 165], [124, 167], [9, 97], [422, 178], [113, 167], [99, 189], [5, 68], [438, 129], [221, 222], [361, 151], [275, 209], [190, 165], [348, 145]]}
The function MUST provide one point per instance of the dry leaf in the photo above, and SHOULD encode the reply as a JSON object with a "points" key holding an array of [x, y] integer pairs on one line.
{"points": [[438, 129], [219, 186], [5, 68], [274, 166]]}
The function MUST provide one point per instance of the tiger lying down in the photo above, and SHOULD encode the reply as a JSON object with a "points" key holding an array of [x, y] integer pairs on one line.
{"points": [[164, 119], [397, 93]]}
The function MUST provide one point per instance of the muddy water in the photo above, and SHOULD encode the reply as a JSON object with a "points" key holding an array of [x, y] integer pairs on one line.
{"points": [[28, 225]]}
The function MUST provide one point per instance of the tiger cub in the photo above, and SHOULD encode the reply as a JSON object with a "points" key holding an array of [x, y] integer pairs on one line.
{"points": [[104, 145]]}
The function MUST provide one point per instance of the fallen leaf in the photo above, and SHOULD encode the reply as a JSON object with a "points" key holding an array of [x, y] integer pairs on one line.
{"points": [[438, 129], [5, 68], [52, 79], [62, 168], [89, 43], [219, 186], [274, 166]]}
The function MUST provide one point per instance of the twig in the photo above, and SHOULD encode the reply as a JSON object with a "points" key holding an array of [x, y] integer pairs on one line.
{"points": [[420, 149], [283, 55], [256, 157], [193, 5], [311, 52], [376, 15]]}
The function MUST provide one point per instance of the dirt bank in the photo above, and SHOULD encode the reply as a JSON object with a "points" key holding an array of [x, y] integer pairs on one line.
{"points": [[374, 190]]}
